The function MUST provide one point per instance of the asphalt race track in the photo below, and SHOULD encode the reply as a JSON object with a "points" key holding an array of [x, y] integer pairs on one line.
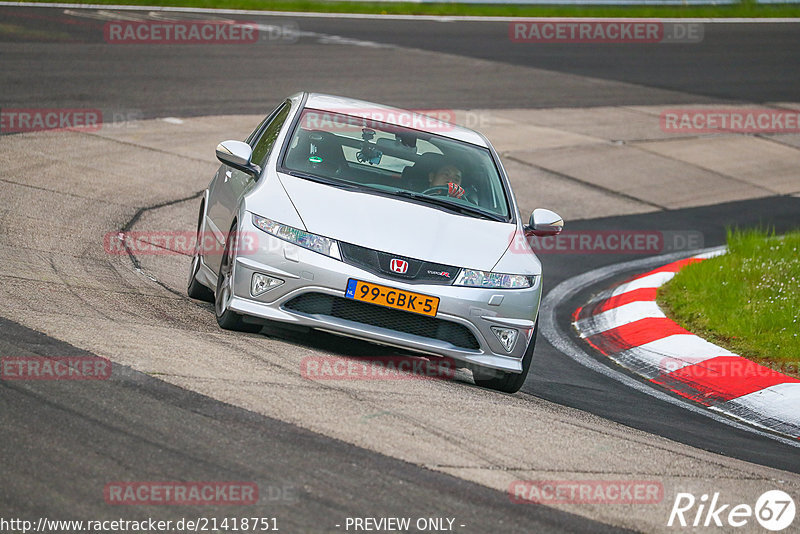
{"points": [[188, 402], [729, 65], [179, 434]]}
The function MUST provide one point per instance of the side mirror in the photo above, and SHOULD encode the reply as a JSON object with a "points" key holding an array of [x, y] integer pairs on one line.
{"points": [[544, 222], [237, 154]]}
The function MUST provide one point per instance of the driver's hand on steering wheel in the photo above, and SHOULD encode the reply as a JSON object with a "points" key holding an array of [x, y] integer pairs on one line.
{"points": [[447, 181], [455, 190]]}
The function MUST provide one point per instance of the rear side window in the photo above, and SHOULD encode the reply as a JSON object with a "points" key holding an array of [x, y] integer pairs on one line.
{"points": [[269, 134]]}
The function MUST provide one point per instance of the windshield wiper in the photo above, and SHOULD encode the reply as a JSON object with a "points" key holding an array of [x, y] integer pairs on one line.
{"points": [[328, 181], [440, 202], [458, 208]]}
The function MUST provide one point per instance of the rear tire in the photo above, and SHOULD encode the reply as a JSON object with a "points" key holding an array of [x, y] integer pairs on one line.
{"points": [[226, 318], [503, 381]]}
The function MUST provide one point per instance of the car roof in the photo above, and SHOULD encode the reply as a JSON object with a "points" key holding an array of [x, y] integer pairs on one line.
{"points": [[395, 116]]}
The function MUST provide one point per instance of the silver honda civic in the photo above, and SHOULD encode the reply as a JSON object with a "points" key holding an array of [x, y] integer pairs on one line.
{"points": [[376, 223]]}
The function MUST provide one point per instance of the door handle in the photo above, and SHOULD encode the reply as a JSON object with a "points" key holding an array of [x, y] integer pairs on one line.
{"points": [[227, 175]]}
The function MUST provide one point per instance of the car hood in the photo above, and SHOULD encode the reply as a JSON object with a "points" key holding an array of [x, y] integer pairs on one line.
{"points": [[398, 226]]}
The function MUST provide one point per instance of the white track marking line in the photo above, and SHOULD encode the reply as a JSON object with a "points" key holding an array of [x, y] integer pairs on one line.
{"points": [[437, 18], [645, 282], [671, 353], [712, 254], [780, 402], [780, 398], [621, 315], [106, 15], [322, 38]]}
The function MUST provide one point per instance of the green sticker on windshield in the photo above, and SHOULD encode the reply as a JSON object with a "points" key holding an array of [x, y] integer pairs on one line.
{"points": [[315, 159]]}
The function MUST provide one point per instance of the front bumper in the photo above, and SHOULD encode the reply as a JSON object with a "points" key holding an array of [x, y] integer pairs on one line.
{"points": [[306, 272]]}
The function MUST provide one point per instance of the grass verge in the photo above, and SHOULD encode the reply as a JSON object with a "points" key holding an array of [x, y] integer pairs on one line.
{"points": [[745, 9], [747, 300]]}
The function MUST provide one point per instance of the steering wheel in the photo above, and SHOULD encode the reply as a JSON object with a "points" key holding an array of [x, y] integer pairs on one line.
{"points": [[327, 168], [443, 191]]}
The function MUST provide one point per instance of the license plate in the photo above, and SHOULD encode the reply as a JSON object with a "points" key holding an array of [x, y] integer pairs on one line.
{"points": [[392, 298]]}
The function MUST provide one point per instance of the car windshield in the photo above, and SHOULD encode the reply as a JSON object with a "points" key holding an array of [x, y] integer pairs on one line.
{"points": [[359, 151]]}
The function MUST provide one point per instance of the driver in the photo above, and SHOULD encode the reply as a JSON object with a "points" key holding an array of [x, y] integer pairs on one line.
{"points": [[448, 176]]}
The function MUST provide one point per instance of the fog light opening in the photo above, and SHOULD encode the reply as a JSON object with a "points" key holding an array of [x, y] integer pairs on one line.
{"points": [[261, 283], [507, 336]]}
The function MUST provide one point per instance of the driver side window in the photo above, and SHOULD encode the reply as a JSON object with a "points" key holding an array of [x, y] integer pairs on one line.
{"points": [[269, 134]]}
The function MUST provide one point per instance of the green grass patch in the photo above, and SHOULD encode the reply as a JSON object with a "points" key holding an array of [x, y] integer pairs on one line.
{"points": [[747, 8], [747, 300]]}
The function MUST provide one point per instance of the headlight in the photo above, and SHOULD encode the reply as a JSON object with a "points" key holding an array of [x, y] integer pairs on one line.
{"points": [[301, 238], [473, 278]]}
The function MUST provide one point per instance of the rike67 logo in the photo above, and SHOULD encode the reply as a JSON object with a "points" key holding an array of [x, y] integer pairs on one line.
{"points": [[774, 510]]}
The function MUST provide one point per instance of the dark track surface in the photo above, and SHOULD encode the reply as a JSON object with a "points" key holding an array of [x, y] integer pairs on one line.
{"points": [[64, 441], [751, 62], [64, 62]]}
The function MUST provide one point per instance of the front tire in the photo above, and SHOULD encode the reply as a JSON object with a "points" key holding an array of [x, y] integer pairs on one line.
{"points": [[507, 382], [195, 289], [226, 318]]}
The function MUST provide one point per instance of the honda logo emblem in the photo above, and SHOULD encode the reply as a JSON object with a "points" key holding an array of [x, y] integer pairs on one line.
{"points": [[398, 266]]}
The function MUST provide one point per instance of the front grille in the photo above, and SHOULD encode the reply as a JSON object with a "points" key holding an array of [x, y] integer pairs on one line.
{"points": [[371, 314], [378, 262]]}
